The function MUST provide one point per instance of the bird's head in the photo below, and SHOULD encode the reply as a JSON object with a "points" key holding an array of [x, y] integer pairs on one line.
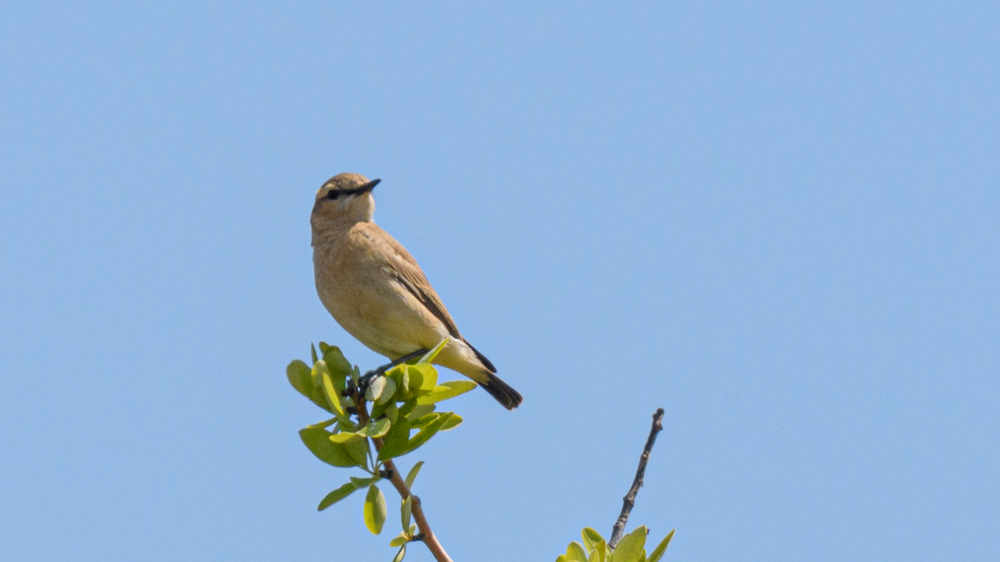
{"points": [[345, 197]]}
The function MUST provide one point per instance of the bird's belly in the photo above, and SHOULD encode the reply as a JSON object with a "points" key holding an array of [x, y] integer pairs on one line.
{"points": [[379, 316]]}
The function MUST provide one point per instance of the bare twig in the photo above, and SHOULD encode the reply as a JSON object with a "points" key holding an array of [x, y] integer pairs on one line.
{"points": [[425, 534], [619, 528]]}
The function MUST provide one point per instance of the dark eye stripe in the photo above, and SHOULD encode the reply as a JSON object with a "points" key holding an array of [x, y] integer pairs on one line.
{"points": [[336, 193]]}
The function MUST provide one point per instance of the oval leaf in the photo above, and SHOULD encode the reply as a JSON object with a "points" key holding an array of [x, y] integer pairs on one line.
{"points": [[413, 474], [394, 442], [399, 555], [345, 437], [423, 378], [575, 552], [454, 421], [337, 495], [590, 538], [445, 391], [375, 388], [375, 510], [300, 376], [375, 428], [332, 394], [318, 442], [363, 482], [426, 433], [418, 412], [405, 510], [358, 451], [340, 367], [631, 547], [424, 421], [388, 392]]}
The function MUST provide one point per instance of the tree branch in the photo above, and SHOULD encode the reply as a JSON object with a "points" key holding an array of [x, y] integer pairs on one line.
{"points": [[629, 500], [426, 535]]}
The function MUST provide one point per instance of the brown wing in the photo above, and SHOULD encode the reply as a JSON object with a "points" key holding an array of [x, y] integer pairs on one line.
{"points": [[408, 274]]}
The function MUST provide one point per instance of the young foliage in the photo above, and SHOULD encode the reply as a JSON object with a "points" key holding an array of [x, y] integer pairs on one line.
{"points": [[631, 548], [403, 401]]}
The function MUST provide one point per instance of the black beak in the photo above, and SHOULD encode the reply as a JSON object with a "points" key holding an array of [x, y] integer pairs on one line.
{"points": [[368, 186]]}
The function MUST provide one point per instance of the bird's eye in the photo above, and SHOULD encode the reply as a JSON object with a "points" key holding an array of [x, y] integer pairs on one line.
{"points": [[333, 194]]}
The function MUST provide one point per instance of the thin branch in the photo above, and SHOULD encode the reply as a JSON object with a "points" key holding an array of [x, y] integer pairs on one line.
{"points": [[619, 528], [425, 534]]}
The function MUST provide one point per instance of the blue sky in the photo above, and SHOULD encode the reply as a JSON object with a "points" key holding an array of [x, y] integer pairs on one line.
{"points": [[776, 220]]}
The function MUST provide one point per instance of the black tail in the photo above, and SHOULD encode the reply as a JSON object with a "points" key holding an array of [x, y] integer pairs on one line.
{"points": [[502, 391]]}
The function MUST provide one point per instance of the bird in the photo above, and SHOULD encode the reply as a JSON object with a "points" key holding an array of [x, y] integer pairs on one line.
{"points": [[376, 291]]}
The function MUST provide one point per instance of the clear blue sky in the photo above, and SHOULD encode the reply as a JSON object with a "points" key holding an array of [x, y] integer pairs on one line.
{"points": [[776, 220]]}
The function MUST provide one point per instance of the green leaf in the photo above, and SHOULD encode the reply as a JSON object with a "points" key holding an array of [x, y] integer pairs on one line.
{"points": [[331, 393], [363, 482], [300, 376], [318, 441], [388, 392], [399, 540], [423, 378], [454, 421], [631, 547], [317, 373], [432, 354], [424, 421], [315, 359], [413, 474], [590, 538], [399, 555], [407, 408], [405, 511], [402, 378], [426, 433], [375, 428], [660, 548], [394, 442], [575, 552], [340, 367], [601, 550], [375, 510], [375, 388], [445, 391], [358, 451], [345, 437], [337, 495], [325, 424], [562, 558], [392, 412], [418, 412]]}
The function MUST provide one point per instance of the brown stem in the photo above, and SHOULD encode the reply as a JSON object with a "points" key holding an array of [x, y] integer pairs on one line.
{"points": [[427, 536], [619, 528]]}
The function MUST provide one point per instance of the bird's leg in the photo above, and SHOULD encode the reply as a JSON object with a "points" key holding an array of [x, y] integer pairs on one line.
{"points": [[367, 377]]}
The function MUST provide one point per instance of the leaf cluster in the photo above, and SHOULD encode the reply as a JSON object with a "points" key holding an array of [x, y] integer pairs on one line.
{"points": [[631, 548], [403, 401]]}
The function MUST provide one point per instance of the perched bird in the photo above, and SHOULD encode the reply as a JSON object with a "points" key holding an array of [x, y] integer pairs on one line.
{"points": [[376, 291]]}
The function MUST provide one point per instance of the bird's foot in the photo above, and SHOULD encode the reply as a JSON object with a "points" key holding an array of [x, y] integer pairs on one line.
{"points": [[367, 377]]}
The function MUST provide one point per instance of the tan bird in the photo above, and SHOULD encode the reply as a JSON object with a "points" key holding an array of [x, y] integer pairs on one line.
{"points": [[376, 291]]}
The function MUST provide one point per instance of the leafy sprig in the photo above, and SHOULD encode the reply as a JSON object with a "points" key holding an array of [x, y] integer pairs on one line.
{"points": [[403, 418]]}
